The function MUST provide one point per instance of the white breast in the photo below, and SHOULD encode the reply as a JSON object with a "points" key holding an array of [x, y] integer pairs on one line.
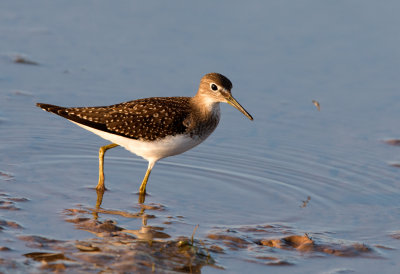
{"points": [[154, 150]]}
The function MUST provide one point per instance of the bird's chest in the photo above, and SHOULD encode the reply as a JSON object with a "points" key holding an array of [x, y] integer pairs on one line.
{"points": [[199, 127]]}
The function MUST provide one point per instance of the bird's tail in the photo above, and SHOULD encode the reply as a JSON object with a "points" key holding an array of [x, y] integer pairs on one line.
{"points": [[50, 108]]}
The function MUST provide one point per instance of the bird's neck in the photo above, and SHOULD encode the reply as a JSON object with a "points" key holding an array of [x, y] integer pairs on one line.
{"points": [[204, 116], [204, 106]]}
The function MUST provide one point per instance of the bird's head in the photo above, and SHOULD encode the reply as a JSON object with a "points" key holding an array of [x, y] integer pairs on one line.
{"points": [[216, 88]]}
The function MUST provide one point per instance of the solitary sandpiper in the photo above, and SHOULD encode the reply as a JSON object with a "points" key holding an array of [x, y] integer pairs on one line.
{"points": [[158, 127]]}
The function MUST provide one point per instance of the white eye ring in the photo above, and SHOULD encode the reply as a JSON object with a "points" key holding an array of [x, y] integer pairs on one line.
{"points": [[214, 87]]}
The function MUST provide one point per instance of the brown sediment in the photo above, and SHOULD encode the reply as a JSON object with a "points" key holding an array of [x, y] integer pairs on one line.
{"points": [[259, 237], [44, 256], [258, 228], [280, 262], [9, 224], [6, 176], [301, 243], [74, 211], [117, 250], [119, 254], [263, 229], [395, 235], [14, 199], [107, 228], [153, 206], [149, 249], [86, 247], [304, 243], [270, 260], [384, 247], [395, 164], [7, 205], [216, 249], [39, 241], [78, 220], [392, 142], [121, 213], [353, 250], [232, 242], [25, 61]]}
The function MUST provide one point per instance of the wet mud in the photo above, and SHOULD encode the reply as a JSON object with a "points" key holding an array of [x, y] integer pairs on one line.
{"points": [[264, 240], [117, 249], [148, 248]]}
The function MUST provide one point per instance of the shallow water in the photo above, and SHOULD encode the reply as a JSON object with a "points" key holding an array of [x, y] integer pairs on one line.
{"points": [[297, 190]]}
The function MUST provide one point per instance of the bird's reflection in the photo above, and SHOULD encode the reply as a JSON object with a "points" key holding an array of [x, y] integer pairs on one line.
{"points": [[146, 232], [144, 249], [100, 194]]}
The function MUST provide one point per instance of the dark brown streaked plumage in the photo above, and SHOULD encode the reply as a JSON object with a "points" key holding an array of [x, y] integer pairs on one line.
{"points": [[144, 119], [157, 127]]}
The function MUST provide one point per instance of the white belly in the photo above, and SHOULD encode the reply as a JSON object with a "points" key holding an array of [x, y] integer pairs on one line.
{"points": [[151, 151]]}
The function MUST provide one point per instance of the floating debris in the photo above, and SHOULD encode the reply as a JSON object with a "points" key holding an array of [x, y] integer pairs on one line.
{"points": [[394, 164], [392, 142], [23, 60], [305, 203], [316, 103]]}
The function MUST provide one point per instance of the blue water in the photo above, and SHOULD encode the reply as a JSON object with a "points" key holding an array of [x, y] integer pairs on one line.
{"points": [[280, 56]]}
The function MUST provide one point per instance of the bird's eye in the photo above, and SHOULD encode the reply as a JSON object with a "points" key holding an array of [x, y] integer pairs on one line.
{"points": [[214, 87]]}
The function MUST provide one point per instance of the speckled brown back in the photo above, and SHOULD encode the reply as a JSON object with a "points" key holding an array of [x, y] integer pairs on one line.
{"points": [[144, 119]]}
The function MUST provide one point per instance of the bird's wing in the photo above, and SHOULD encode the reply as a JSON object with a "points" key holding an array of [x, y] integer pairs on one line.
{"points": [[145, 119]]}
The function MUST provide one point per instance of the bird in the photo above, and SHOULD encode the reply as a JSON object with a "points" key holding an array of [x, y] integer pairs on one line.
{"points": [[157, 127]]}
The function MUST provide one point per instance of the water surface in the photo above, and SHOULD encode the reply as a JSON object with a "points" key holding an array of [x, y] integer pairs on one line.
{"points": [[324, 176]]}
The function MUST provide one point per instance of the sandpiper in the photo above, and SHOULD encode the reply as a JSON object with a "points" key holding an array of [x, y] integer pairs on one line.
{"points": [[158, 127]]}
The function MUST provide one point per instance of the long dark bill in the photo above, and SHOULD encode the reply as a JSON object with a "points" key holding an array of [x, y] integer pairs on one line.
{"points": [[232, 101]]}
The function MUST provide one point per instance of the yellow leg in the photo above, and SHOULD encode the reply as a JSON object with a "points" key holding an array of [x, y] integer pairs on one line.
{"points": [[142, 189], [98, 203], [100, 185]]}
